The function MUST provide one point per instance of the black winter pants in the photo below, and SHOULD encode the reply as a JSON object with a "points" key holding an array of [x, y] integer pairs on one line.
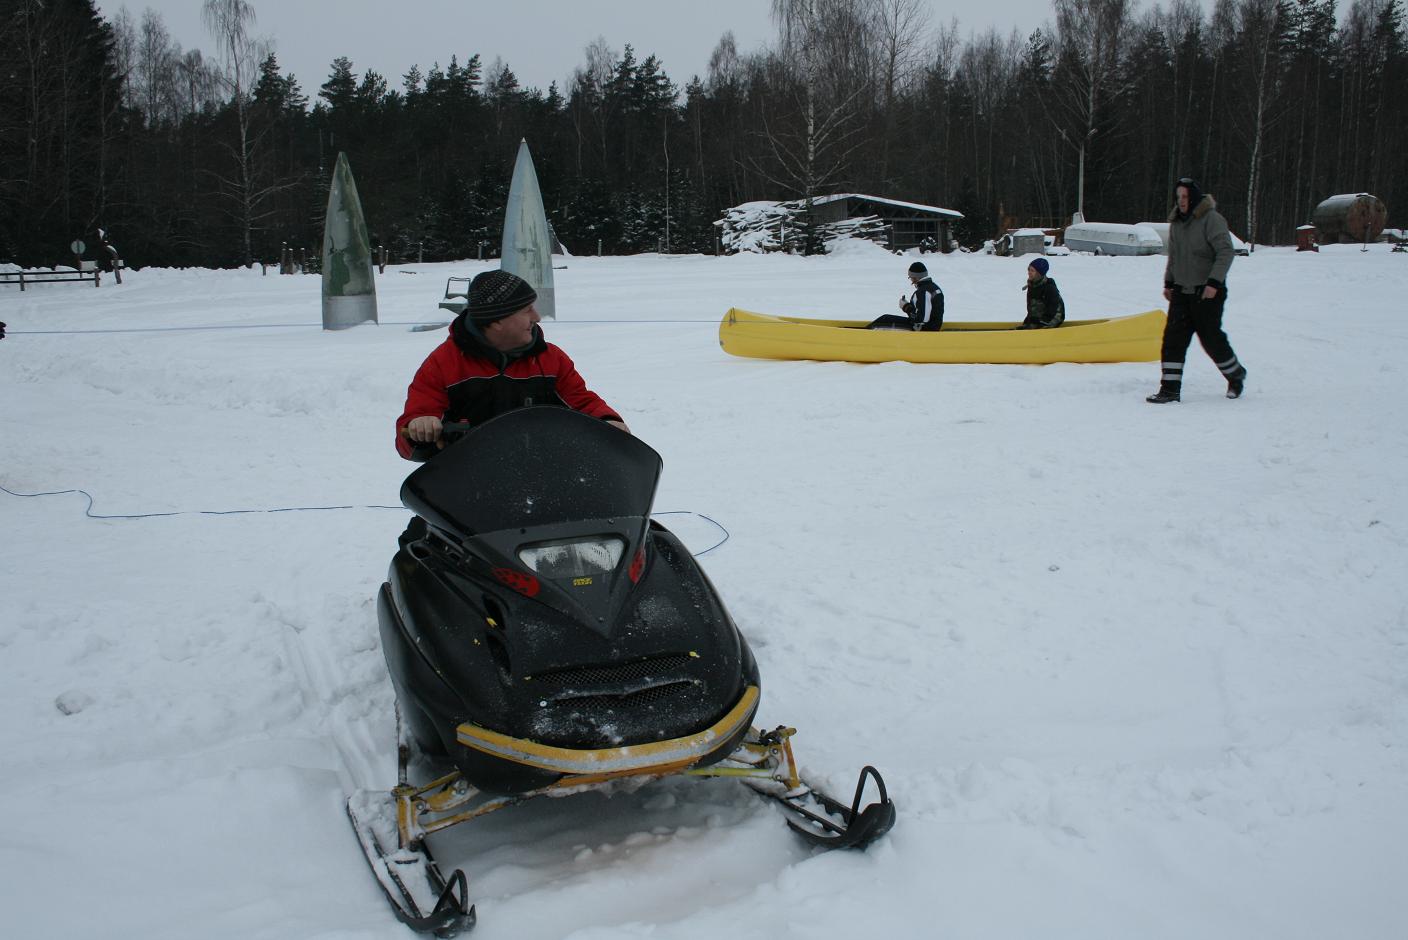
{"points": [[1189, 314], [891, 321]]}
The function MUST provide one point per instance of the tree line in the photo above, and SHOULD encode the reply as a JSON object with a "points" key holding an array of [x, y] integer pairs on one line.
{"points": [[220, 158]]}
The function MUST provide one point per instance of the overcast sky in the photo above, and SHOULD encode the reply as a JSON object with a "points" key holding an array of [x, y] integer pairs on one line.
{"points": [[541, 40]]}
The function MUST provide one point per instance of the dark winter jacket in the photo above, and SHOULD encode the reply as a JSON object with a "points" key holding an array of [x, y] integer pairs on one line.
{"points": [[464, 379], [926, 306], [1199, 248], [1045, 308]]}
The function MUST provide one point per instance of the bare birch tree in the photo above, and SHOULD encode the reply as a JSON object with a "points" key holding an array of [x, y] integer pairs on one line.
{"points": [[989, 64], [899, 35], [943, 64], [1260, 34], [240, 53], [823, 46], [1091, 37], [153, 76]]}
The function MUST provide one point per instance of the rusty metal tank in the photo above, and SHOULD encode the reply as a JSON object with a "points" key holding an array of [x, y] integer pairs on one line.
{"points": [[1352, 218]]}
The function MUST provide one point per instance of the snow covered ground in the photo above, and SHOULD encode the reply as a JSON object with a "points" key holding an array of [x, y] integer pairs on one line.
{"points": [[1129, 671]]}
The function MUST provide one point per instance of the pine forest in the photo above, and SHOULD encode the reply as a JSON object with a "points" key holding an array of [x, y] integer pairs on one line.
{"points": [[217, 157]]}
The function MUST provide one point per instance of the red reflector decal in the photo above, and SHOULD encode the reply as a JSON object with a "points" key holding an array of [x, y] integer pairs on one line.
{"points": [[524, 584], [637, 566]]}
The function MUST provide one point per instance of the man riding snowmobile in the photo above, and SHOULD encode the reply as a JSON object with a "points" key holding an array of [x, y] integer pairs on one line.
{"points": [[544, 635]]}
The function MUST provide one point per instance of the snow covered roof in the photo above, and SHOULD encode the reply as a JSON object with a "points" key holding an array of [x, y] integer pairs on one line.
{"points": [[952, 214]]}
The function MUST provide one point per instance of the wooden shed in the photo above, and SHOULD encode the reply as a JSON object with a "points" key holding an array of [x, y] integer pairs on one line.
{"points": [[1353, 218], [1021, 241], [910, 223]]}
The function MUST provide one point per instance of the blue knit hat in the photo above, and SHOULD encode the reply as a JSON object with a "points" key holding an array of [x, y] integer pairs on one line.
{"points": [[1041, 265]]}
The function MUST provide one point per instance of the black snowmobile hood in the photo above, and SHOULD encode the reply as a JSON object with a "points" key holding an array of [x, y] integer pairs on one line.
{"points": [[533, 467], [545, 604]]}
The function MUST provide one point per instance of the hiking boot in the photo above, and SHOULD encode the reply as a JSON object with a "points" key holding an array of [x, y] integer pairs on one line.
{"points": [[1234, 387], [1163, 396]]}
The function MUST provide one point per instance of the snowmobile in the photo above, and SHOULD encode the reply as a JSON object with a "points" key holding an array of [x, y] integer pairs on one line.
{"points": [[545, 636]]}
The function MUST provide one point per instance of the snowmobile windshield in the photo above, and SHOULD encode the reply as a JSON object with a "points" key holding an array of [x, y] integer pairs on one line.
{"points": [[534, 467]]}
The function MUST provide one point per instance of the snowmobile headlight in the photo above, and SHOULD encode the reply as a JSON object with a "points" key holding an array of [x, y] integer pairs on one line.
{"points": [[574, 558]]}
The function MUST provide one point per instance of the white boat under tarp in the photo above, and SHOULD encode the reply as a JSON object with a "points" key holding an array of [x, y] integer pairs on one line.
{"points": [[1113, 238]]}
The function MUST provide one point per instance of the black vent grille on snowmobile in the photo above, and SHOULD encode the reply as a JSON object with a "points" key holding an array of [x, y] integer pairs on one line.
{"points": [[610, 704], [654, 695], [587, 676]]}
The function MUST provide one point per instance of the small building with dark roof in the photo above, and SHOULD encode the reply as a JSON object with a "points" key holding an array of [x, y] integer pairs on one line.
{"points": [[909, 223]]}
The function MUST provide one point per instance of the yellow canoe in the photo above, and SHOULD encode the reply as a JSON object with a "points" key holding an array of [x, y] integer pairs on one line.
{"points": [[1114, 339]]}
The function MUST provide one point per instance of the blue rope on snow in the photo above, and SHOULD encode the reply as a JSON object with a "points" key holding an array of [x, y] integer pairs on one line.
{"points": [[289, 326], [88, 511]]}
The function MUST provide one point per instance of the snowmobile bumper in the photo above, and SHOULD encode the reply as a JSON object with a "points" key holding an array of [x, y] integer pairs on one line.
{"points": [[656, 757]]}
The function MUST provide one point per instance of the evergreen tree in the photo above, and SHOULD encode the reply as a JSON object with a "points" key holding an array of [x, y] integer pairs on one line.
{"points": [[61, 115], [341, 87]]}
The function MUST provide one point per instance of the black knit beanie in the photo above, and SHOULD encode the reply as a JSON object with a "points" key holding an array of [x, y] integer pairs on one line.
{"points": [[494, 295], [918, 268]]}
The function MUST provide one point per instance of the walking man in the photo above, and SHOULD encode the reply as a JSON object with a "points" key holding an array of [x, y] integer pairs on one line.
{"points": [[1195, 286]]}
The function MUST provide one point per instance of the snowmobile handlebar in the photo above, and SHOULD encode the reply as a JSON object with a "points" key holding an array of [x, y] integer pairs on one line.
{"points": [[450, 431]]}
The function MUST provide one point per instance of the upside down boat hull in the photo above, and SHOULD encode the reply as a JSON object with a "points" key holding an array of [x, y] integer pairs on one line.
{"points": [[1114, 339]]}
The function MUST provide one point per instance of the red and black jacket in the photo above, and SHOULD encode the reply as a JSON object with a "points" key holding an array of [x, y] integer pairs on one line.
{"points": [[465, 379]]}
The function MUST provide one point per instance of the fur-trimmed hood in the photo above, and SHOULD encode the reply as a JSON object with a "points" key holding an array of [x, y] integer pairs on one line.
{"points": [[1204, 206]]}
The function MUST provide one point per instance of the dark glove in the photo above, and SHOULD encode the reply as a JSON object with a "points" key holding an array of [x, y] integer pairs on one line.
{"points": [[2, 330]]}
